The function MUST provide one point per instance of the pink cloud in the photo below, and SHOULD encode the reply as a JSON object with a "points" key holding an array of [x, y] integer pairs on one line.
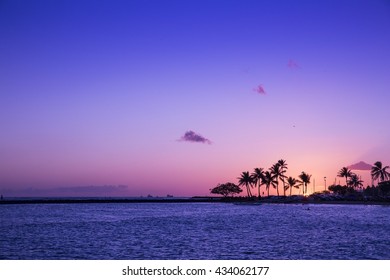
{"points": [[191, 136], [260, 90], [361, 165]]}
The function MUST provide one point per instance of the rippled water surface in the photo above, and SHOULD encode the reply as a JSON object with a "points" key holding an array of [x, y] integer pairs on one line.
{"points": [[194, 231]]}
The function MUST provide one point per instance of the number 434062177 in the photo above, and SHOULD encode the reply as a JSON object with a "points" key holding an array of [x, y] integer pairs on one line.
{"points": [[254, 270]]}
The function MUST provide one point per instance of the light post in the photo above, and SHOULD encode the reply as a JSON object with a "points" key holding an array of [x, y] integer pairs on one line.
{"points": [[325, 182]]}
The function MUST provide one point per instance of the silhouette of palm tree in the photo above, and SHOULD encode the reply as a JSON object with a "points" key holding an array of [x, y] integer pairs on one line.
{"points": [[283, 168], [345, 172], [277, 173], [379, 172], [305, 180], [257, 177], [292, 183], [268, 180], [246, 180], [355, 181]]}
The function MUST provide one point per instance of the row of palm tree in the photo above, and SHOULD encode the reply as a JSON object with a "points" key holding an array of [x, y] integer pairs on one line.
{"points": [[271, 177], [378, 173], [277, 173]]}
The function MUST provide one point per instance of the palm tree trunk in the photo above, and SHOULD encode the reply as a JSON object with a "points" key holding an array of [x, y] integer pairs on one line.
{"points": [[284, 185], [249, 191], [277, 187]]}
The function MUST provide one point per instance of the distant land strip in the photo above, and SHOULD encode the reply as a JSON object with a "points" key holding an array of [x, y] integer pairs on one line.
{"points": [[107, 200], [200, 199]]}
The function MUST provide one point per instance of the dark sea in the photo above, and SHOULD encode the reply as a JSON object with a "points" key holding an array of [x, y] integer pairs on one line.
{"points": [[194, 231]]}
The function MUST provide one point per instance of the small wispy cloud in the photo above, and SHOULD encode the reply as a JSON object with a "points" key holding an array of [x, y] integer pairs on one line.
{"points": [[191, 136], [292, 64], [260, 90]]}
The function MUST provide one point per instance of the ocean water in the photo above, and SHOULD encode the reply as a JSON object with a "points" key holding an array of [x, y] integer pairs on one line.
{"points": [[194, 231]]}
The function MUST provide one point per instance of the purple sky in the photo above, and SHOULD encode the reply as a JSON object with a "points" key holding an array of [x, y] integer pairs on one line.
{"points": [[97, 93]]}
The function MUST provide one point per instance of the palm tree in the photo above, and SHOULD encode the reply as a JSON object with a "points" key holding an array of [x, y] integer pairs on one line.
{"points": [[246, 180], [257, 176], [283, 167], [345, 172], [268, 180], [379, 172], [277, 173], [305, 180], [355, 181], [292, 183]]}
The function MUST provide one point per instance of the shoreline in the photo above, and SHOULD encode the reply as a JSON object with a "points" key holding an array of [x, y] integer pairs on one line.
{"points": [[104, 200], [244, 201]]}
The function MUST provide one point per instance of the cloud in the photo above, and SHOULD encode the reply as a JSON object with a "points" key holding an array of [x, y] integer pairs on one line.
{"points": [[361, 165], [76, 191], [191, 136], [292, 64], [260, 90]]}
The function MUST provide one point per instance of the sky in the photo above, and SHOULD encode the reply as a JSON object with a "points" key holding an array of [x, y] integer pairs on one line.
{"points": [[173, 97]]}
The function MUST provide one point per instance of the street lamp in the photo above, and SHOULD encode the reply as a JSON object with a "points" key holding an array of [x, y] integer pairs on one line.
{"points": [[325, 182]]}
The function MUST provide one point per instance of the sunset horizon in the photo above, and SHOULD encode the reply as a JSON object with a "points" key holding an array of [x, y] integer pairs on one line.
{"points": [[120, 190], [173, 99]]}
